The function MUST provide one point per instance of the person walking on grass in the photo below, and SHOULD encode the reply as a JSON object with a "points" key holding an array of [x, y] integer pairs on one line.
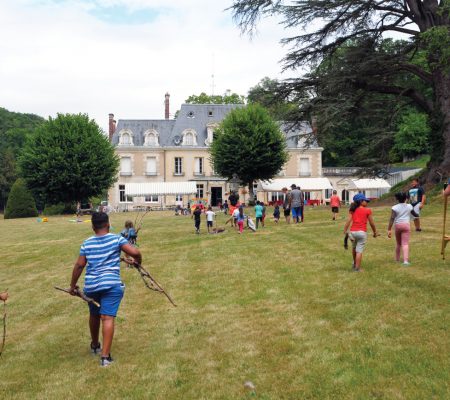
{"points": [[335, 203], [417, 199], [101, 254], [400, 218], [276, 213], [196, 215], [258, 214], [286, 205], [210, 214], [359, 215], [240, 219], [296, 203]]}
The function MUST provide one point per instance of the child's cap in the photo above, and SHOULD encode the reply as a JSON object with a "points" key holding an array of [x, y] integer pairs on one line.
{"points": [[360, 197]]}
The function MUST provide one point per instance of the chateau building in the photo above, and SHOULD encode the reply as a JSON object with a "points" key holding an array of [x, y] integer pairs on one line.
{"points": [[160, 156]]}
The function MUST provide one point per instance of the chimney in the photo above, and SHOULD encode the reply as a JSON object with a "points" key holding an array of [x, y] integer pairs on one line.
{"points": [[112, 126], [166, 106], [314, 124]]}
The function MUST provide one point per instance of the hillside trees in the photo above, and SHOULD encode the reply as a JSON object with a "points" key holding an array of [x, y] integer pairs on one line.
{"points": [[248, 143], [68, 159], [331, 25], [14, 128]]}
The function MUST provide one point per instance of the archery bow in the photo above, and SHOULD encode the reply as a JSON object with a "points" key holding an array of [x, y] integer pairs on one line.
{"points": [[4, 326], [80, 294], [149, 281]]}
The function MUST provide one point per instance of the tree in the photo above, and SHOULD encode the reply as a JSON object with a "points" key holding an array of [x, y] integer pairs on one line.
{"points": [[411, 139], [266, 94], [14, 127], [425, 23], [20, 202], [68, 159], [227, 98], [250, 144]]}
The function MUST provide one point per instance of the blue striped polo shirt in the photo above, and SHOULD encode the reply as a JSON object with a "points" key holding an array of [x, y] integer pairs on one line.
{"points": [[103, 261]]}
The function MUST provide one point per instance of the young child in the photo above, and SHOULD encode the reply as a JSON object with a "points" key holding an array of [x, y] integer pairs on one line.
{"points": [[359, 214], [101, 254], [196, 215], [240, 219], [210, 214], [400, 217], [276, 213], [335, 203], [258, 214], [263, 213], [129, 232]]}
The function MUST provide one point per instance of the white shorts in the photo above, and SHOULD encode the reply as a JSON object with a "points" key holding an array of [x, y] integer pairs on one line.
{"points": [[416, 209]]}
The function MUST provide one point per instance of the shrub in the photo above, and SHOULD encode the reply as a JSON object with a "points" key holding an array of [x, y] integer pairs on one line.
{"points": [[20, 203], [60, 208]]}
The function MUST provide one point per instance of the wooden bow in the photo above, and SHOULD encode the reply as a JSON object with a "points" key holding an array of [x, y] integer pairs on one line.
{"points": [[149, 281], [4, 327]]}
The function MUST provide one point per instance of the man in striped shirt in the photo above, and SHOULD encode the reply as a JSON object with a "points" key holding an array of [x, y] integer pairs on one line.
{"points": [[101, 254]]}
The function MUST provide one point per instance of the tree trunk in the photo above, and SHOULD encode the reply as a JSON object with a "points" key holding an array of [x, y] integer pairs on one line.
{"points": [[439, 166]]}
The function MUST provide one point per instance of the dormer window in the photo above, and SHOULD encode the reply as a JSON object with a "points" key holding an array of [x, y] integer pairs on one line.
{"points": [[189, 138], [126, 138], [151, 138]]}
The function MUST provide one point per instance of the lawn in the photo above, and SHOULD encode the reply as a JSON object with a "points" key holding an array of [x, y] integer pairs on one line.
{"points": [[279, 308]]}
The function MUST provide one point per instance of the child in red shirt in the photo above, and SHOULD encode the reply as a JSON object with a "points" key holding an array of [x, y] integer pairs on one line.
{"points": [[359, 214], [335, 203]]}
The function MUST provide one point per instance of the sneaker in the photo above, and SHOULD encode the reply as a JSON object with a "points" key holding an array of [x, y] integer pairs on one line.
{"points": [[418, 229], [106, 361], [358, 269], [96, 349], [406, 263]]}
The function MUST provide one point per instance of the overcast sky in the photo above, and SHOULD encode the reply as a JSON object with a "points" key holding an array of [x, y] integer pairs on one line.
{"points": [[122, 56]]}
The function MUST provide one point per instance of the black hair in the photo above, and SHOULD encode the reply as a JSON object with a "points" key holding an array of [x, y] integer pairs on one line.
{"points": [[241, 211], [401, 197], [99, 220], [354, 205]]}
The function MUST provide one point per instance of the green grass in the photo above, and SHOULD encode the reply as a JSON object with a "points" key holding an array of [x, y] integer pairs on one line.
{"points": [[420, 162], [279, 308]]}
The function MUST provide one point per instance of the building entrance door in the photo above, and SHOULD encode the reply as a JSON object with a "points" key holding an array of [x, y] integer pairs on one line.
{"points": [[216, 196]]}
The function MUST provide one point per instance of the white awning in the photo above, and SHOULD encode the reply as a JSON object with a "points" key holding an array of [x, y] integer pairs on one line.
{"points": [[366, 184], [160, 188], [306, 184]]}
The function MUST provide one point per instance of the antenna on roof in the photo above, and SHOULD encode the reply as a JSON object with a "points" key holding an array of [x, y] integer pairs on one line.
{"points": [[212, 77]]}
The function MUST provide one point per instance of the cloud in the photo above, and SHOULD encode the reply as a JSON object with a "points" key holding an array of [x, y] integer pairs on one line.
{"points": [[122, 56]]}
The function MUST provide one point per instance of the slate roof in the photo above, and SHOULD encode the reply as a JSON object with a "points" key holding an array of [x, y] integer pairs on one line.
{"points": [[197, 117]]}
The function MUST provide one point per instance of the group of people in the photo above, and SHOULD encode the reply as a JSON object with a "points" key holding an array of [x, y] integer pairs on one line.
{"points": [[401, 214]]}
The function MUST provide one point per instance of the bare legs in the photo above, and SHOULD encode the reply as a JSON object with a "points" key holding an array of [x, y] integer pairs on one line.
{"points": [[107, 331]]}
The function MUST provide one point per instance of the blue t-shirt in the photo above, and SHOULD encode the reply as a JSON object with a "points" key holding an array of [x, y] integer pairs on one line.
{"points": [[258, 211], [103, 261]]}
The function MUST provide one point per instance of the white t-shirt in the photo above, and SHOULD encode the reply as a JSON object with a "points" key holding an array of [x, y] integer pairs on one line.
{"points": [[402, 213], [236, 212], [210, 215]]}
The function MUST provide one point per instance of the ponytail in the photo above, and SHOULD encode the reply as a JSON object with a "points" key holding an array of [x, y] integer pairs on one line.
{"points": [[354, 206]]}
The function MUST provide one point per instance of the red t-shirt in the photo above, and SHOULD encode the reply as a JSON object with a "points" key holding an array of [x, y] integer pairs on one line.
{"points": [[335, 201], [360, 217]]}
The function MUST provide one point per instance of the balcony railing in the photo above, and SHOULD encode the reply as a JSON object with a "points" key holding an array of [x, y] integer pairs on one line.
{"points": [[336, 171]]}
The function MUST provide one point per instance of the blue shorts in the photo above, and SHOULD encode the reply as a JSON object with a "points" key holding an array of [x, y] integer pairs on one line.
{"points": [[109, 300], [296, 212]]}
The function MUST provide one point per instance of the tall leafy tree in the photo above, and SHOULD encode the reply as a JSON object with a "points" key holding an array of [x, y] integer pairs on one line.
{"points": [[69, 159], [14, 128], [250, 144], [227, 98], [331, 24], [266, 94]]}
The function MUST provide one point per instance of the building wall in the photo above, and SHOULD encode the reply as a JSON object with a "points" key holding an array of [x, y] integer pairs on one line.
{"points": [[165, 171]]}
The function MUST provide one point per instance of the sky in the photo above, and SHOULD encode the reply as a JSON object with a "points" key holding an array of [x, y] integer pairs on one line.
{"points": [[122, 56]]}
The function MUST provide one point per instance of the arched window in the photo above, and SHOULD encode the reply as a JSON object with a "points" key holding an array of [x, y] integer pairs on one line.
{"points": [[125, 138], [151, 138], [189, 138]]}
